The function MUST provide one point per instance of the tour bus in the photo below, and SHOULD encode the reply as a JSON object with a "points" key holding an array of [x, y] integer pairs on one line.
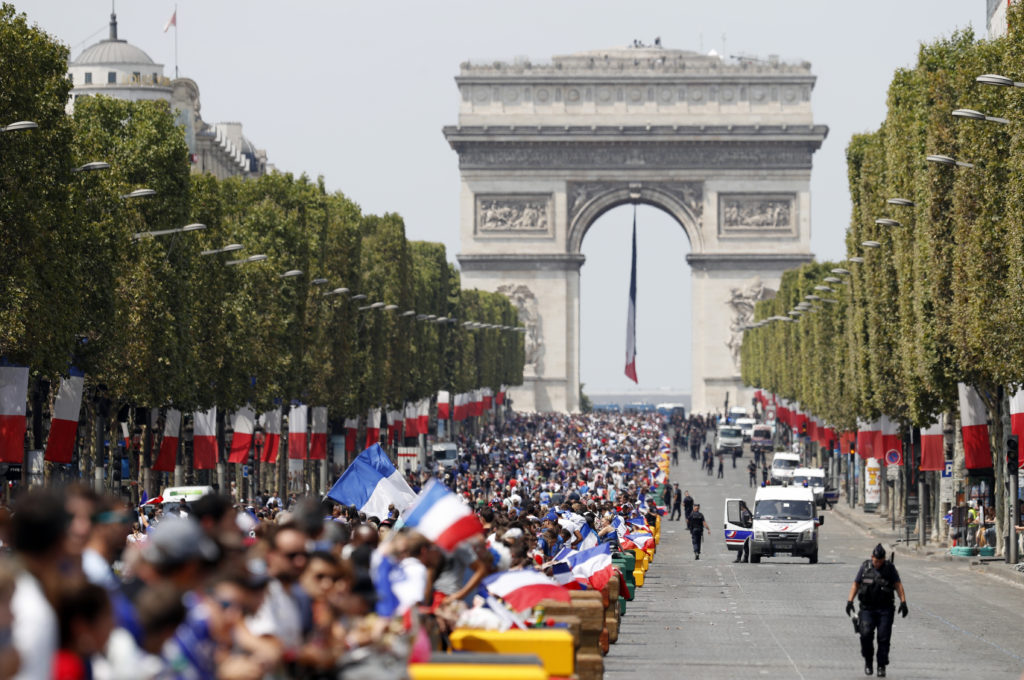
{"points": [[783, 523], [783, 465]]}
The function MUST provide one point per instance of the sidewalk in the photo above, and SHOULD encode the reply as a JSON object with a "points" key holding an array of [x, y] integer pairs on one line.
{"points": [[881, 528]]}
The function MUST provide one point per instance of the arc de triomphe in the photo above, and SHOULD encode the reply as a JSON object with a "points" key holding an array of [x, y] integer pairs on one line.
{"points": [[724, 147]]}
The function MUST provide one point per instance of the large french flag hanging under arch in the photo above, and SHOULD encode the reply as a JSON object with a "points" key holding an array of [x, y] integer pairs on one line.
{"points": [[631, 315]]}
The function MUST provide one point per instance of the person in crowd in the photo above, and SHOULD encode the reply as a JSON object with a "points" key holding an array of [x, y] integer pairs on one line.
{"points": [[86, 618]]}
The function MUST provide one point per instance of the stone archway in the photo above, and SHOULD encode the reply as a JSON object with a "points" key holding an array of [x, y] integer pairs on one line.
{"points": [[545, 150]]}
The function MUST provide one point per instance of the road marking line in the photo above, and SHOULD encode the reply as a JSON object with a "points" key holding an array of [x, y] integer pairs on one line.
{"points": [[770, 631]]}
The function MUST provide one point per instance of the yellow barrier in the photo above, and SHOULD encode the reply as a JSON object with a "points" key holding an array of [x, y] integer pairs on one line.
{"points": [[553, 646], [468, 671]]}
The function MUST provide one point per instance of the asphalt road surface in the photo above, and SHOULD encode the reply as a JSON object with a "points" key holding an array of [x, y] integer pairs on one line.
{"points": [[784, 618]]}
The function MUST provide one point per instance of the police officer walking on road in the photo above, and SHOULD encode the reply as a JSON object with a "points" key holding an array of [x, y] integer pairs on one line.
{"points": [[697, 524], [677, 503], [875, 584]]}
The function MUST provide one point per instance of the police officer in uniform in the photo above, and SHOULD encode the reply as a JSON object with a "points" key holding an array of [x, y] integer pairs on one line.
{"points": [[875, 584], [697, 524], [746, 521]]}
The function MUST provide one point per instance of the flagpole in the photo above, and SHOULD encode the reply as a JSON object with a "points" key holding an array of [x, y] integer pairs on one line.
{"points": [[175, 40]]}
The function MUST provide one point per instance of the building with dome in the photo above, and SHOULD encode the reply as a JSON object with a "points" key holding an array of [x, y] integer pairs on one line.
{"points": [[116, 68]]}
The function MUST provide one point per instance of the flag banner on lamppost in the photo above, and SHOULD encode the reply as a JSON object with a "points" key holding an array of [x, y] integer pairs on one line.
{"points": [[243, 424], [423, 415], [168, 454], [372, 427], [351, 431], [272, 437], [933, 447], [297, 432], [13, 409], [318, 440], [974, 427], [891, 441], [459, 408], [60, 445], [1017, 422], [412, 426], [443, 406], [204, 439], [394, 426]]}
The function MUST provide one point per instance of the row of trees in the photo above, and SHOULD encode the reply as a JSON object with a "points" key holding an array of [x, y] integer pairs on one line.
{"points": [[938, 301], [153, 322]]}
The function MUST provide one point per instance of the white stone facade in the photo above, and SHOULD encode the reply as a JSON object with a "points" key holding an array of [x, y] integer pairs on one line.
{"points": [[996, 12], [116, 68], [725, 148]]}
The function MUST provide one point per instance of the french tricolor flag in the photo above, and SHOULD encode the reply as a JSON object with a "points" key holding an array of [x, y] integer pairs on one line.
{"points": [[488, 395], [444, 408], [933, 447], [521, 590], [297, 432], [442, 517], [974, 426], [243, 423], [592, 567], [642, 540], [64, 424], [168, 455], [204, 439], [372, 427], [631, 315], [272, 440], [318, 440]]}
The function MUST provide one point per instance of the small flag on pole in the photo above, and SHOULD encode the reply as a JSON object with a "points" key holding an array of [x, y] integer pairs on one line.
{"points": [[631, 315], [173, 21]]}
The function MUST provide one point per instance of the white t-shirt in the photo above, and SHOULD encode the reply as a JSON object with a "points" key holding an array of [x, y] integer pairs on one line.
{"points": [[278, 616], [36, 635]]}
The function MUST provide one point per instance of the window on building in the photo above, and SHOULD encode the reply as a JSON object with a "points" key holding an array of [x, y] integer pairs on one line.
{"points": [[136, 77], [155, 78], [111, 77], [71, 79], [88, 78]]}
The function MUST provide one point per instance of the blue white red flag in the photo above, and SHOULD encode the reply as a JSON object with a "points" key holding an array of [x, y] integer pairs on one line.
{"points": [[592, 567], [521, 590], [631, 315], [371, 483], [442, 517]]}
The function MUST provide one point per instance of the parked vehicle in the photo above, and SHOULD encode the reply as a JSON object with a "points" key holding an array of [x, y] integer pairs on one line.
{"points": [[746, 426], [815, 481], [784, 464], [446, 454], [761, 438], [728, 440], [784, 523]]}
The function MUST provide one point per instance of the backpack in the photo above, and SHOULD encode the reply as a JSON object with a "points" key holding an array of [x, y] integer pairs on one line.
{"points": [[874, 592]]}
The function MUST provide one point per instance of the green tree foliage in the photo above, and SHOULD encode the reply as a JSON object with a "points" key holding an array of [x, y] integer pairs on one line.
{"points": [[158, 323]]}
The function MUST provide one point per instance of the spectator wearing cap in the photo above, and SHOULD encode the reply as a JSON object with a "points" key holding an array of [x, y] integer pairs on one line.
{"points": [[38, 535]]}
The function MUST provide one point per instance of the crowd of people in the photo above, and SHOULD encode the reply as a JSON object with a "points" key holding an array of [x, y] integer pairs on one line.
{"points": [[91, 587]]}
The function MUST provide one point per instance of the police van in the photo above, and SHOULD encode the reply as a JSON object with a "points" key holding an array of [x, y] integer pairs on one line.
{"points": [[784, 463], [783, 523], [815, 481]]}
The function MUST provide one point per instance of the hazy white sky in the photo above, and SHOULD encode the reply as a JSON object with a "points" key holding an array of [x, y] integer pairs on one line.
{"points": [[359, 92]]}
